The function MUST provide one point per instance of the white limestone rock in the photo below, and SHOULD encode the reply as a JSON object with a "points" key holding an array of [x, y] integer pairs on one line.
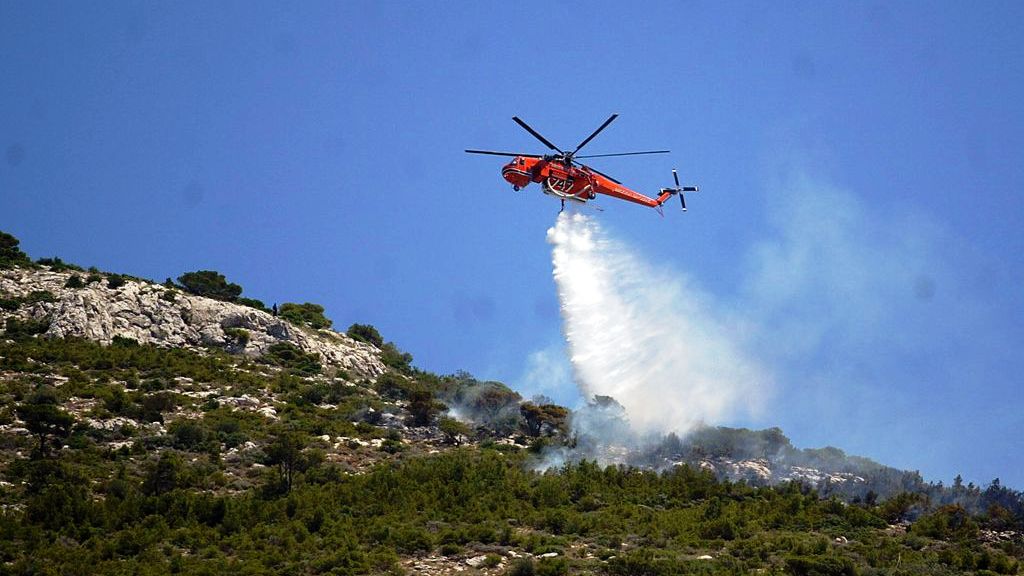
{"points": [[136, 310]]}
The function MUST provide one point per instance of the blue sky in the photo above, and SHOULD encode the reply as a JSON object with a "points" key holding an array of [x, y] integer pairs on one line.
{"points": [[860, 163]]}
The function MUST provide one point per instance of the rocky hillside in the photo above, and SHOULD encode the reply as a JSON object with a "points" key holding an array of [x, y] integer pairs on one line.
{"points": [[147, 430], [151, 313]]}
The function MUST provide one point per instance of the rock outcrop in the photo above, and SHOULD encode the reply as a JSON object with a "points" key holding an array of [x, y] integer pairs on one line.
{"points": [[153, 314]]}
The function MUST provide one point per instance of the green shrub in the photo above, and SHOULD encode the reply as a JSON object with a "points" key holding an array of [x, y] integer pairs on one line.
{"points": [[115, 281], [237, 336], [558, 566], [946, 523], [645, 562], [15, 328], [124, 342], [522, 567], [10, 254], [395, 358], [58, 265], [74, 281], [365, 333], [450, 549], [293, 359], [33, 297], [253, 303], [188, 434], [307, 314], [819, 566], [453, 430], [210, 284]]}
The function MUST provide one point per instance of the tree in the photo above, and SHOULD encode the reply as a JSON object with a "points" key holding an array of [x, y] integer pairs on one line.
{"points": [[46, 420], [10, 254], [163, 476], [453, 430], [307, 314], [285, 452], [365, 333], [493, 399], [210, 284], [544, 419], [422, 406], [392, 357]]}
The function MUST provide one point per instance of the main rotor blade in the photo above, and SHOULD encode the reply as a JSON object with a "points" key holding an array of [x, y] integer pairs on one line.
{"points": [[596, 171], [676, 176], [536, 134], [493, 153], [625, 154], [596, 132]]}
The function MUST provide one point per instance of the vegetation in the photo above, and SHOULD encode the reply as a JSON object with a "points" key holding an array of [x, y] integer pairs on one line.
{"points": [[10, 254], [210, 284], [11, 304], [308, 314], [365, 333], [115, 281], [74, 281], [182, 503], [135, 459], [57, 265], [293, 359]]}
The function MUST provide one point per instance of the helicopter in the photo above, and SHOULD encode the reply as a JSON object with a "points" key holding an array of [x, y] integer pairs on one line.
{"points": [[561, 175]]}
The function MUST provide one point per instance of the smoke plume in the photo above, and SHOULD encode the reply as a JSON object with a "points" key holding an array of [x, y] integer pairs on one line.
{"points": [[646, 337]]}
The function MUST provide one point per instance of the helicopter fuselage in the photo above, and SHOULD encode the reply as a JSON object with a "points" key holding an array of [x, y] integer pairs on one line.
{"points": [[578, 184]]}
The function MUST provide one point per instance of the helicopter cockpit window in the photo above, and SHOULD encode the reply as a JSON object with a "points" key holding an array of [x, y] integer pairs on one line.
{"points": [[521, 161]]}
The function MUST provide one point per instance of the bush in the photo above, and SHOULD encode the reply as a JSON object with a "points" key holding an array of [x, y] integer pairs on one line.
{"points": [[453, 430], [450, 549], [10, 254], [237, 336], [33, 297], [210, 284], [951, 522], [819, 566], [74, 281], [57, 265], [188, 434], [293, 359], [522, 567], [365, 333], [253, 303], [307, 314], [115, 281], [392, 357], [16, 329], [644, 562], [558, 566]]}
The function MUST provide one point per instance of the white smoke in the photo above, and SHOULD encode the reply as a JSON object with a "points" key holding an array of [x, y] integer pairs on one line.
{"points": [[647, 337]]}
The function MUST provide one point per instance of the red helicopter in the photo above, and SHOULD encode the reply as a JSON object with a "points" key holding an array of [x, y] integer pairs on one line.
{"points": [[562, 176]]}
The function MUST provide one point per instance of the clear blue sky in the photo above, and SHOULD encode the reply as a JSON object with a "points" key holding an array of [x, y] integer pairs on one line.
{"points": [[861, 167]]}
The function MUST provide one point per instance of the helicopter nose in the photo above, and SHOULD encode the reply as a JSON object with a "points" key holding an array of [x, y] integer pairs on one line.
{"points": [[515, 176]]}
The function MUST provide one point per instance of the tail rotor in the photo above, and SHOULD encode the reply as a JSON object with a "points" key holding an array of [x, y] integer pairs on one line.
{"points": [[679, 189]]}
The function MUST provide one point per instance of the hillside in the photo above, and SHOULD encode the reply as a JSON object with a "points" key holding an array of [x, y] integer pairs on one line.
{"points": [[148, 430]]}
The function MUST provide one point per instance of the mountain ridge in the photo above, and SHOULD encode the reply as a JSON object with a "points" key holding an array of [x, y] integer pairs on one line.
{"points": [[146, 430]]}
